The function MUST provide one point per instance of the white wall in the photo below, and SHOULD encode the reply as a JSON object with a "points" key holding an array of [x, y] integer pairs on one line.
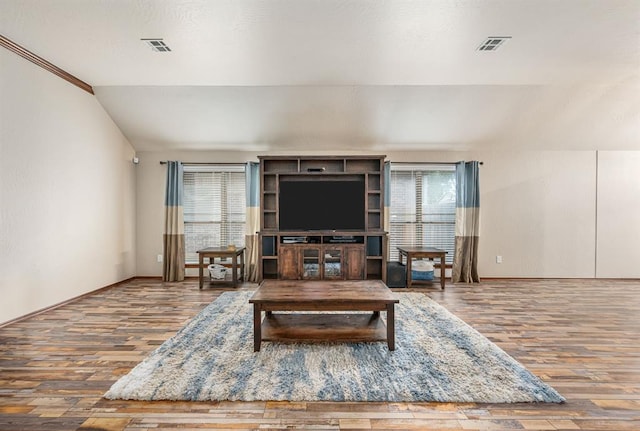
{"points": [[538, 210], [618, 253], [67, 192], [538, 213]]}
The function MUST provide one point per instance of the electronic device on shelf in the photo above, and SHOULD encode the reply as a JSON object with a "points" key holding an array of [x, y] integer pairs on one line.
{"points": [[344, 239], [294, 239]]}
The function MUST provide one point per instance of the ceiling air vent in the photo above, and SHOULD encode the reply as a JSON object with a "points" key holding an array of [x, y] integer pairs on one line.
{"points": [[157, 45], [492, 43]]}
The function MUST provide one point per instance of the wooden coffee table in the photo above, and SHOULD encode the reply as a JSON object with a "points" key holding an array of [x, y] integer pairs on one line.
{"points": [[340, 296]]}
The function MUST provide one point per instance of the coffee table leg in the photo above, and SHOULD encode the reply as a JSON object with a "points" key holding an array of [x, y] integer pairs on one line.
{"points": [[234, 268], [391, 327], [257, 327], [442, 271]]}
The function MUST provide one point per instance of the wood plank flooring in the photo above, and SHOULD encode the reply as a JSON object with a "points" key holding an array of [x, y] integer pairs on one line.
{"points": [[580, 336]]}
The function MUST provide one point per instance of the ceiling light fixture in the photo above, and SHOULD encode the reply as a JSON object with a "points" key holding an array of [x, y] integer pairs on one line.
{"points": [[493, 42], [157, 45]]}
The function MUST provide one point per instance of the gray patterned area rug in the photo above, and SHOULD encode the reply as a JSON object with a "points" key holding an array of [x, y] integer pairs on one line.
{"points": [[438, 357]]}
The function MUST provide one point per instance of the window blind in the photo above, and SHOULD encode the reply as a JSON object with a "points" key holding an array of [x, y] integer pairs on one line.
{"points": [[214, 207], [423, 207]]}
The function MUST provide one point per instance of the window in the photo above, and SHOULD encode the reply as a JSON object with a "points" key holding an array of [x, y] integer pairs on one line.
{"points": [[214, 207], [423, 207]]}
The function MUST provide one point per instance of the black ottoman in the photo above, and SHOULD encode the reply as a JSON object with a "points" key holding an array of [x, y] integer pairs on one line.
{"points": [[396, 274]]}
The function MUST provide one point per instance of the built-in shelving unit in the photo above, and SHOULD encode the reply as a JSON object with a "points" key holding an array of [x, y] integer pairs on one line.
{"points": [[322, 254]]}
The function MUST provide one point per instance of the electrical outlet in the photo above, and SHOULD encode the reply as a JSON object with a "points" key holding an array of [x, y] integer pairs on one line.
{"points": [[160, 258], [498, 259]]}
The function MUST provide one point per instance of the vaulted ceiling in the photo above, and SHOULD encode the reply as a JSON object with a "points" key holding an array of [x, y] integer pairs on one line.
{"points": [[261, 75]]}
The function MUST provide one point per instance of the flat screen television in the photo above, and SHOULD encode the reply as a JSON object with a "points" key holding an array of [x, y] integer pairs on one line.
{"points": [[322, 205]]}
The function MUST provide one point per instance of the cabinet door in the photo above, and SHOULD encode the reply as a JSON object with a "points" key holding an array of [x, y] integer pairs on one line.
{"points": [[354, 262], [310, 263], [289, 263], [333, 263]]}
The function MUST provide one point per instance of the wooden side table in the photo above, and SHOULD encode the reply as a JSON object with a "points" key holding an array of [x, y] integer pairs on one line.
{"points": [[411, 253], [222, 252]]}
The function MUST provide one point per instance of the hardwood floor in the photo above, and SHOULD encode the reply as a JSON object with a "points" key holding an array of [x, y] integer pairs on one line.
{"points": [[580, 336]]}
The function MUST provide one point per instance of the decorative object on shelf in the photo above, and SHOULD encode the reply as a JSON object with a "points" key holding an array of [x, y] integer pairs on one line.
{"points": [[422, 270], [217, 271]]}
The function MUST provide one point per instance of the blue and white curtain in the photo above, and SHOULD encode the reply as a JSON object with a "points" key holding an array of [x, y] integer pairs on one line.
{"points": [[387, 196], [465, 258], [252, 270], [386, 182], [173, 239]]}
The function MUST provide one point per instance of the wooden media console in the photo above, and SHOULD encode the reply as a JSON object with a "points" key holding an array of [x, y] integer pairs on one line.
{"points": [[342, 237]]}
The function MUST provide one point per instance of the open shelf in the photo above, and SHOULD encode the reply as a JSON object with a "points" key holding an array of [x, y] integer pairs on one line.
{"points": [[335, 327], [270, 183]]}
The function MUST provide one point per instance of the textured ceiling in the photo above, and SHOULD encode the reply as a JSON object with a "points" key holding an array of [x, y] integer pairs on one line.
{"points": [[364, 75]]}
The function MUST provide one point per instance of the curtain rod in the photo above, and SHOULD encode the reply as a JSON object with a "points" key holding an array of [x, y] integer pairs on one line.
{"points": [[427, 163], [164, 162]]}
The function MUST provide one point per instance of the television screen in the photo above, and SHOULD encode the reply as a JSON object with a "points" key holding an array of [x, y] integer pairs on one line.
{"points": [[322, 205]]}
